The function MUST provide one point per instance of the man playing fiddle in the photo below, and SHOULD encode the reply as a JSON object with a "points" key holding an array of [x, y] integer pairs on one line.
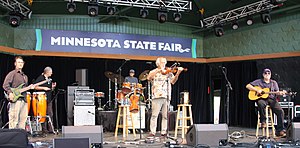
{"points": [[161, 79]]}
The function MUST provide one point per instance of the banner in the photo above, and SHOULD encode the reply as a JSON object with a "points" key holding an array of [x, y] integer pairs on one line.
{"points": [[113, 43]]}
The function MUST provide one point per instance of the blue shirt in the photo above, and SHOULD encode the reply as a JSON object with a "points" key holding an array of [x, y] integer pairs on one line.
{"points": [[273, 86], [131, 79]]}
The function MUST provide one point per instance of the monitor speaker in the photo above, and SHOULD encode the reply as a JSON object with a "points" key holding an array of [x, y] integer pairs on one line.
{"points": [[211, 135], [293, 131], [94, 133], [71, 142]]}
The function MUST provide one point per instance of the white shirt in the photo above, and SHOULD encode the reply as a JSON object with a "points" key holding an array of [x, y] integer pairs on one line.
{"points": [[161, 85]]}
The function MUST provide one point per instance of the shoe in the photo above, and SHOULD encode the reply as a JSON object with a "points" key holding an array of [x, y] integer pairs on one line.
{"points": [[281, 133], [263, 125], [151, 135]]}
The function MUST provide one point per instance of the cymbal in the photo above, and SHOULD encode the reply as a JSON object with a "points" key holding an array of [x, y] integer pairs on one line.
{"points": [[120, 79], [143, 75], [109, 74]]}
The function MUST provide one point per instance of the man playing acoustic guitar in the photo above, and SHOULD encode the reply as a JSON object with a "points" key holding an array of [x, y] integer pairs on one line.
{"points": [[264, 98], [18, 109]]}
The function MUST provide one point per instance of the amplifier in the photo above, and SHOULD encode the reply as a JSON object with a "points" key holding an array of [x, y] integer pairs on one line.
{"points": [[84, 97]]}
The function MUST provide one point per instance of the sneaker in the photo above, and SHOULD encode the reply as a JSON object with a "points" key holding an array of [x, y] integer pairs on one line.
{"points": [[281, 133], [263, 125]]}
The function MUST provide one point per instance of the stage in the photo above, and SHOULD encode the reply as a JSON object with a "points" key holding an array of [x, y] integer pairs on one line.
{"points": [[238, 137]]}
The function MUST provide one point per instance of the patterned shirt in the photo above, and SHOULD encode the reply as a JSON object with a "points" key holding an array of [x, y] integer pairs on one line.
{"points": [[160, 85]]}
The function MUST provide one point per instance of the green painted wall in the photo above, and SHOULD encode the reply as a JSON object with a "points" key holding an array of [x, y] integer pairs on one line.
{"points": [[282, 35], [6, 35], [25, 35]]}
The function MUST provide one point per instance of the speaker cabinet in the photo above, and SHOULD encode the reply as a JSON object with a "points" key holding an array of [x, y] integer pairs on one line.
{"points": [[212, 135], [82, 77], [94, 133], [293, 132], [71, 142]]}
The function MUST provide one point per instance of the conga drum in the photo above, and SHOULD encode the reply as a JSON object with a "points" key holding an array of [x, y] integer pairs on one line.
{"points": [[28, 98], [39, 105]]}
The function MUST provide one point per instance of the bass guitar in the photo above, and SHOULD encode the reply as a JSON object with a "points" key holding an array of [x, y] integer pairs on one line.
{"points": [[17, 92], [253, 95]]}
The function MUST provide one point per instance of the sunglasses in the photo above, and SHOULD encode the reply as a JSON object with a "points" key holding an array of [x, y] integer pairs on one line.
{"points": [[267, 73]]}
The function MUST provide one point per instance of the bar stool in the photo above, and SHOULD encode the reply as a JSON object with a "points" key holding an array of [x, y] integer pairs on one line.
{"points": [[269, 123], [123, 110], [185, 117]]}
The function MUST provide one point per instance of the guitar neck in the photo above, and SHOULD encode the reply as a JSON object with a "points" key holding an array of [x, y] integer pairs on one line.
{"points": [[36, 84]]}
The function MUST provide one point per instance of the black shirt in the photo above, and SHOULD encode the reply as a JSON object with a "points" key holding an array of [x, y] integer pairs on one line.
{"points": [[47, 84]]}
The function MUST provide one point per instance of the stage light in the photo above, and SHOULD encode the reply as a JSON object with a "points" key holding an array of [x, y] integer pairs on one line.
{"points": [[235, 25], [162, 16], [92, 10], [219, 31], [14, 20], [71, 6], [177, 16], [249, 21], [111, 10], [144, 13], [265, 17]]}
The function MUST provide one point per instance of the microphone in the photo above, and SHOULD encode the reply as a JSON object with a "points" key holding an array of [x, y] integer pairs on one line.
{"points": [[61, 90]]}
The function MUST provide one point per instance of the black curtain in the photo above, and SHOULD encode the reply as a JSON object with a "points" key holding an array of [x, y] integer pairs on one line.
{"points": [[195, 80], [241, 110]]}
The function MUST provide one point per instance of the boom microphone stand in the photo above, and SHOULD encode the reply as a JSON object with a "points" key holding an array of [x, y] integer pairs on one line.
{"points": [[228, 88]]}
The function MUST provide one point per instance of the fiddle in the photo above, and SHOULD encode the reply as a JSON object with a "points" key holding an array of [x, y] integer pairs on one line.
{"points": [[172, 70]]}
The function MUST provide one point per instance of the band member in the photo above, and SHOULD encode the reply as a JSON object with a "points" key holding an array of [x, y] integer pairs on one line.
{"points": [[161, 94], [267, 82], [47, 88], [131, 78], [18, 110]]}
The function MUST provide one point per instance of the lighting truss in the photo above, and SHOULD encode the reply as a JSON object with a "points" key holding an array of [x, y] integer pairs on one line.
{"points": [[222, 18], [14, 5], [175, 5]]}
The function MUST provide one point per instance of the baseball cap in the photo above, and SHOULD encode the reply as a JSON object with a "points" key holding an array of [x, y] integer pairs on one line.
{"points": [[131, 71], [266, 70]]}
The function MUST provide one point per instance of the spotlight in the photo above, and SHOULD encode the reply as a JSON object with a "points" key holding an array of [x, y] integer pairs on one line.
{"points": [[162, 16], [144, 13], [219, 31], [265, 17], [71, 7], [249, 21], [14, 20], [177, 16], [111, 10], [235, 25], [92, 10]]}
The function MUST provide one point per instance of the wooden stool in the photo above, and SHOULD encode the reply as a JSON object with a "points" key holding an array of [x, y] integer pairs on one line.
{"points": [[269, 123], [123, 110], [184, 118]]}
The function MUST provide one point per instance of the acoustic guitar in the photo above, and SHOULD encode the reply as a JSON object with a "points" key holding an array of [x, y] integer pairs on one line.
{"points": [[17, 92], [253, 95]]}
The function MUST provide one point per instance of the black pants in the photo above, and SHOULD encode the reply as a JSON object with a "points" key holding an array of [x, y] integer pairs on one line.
{"points": [[276, 108]]}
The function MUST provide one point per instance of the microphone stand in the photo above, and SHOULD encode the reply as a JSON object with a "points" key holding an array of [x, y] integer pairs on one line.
{"points": [[120, 70], [228, 88]]}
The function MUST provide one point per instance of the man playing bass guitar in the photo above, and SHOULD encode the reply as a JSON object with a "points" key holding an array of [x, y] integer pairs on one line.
{"points": [[266, 83], [18, 109]]}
